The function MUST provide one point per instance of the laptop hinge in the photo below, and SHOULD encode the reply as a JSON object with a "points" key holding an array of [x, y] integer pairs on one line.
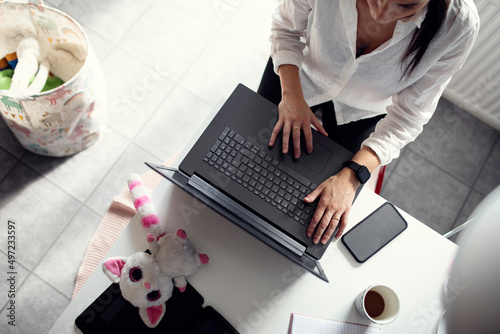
{"points": [[208, 195], [245, 215]]}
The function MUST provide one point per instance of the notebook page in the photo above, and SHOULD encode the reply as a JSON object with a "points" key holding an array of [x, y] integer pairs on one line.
{"points": [[304, 324]]}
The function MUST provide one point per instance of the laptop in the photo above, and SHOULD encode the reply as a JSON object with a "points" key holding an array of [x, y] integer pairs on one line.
{"points": [[232, 169]]}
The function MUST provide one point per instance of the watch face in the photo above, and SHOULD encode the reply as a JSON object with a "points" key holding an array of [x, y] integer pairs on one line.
{"points": [[363, 174]]}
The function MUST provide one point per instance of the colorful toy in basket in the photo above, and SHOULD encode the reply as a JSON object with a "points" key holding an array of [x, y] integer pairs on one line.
{"points": [[36, 57], [12, 59], [147, 280], [6, 79], [4, 64], [6, 75], [49, 116]]}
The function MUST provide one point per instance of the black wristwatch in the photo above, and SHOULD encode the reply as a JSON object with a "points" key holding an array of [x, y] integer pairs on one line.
{"points": [[362, 173]]}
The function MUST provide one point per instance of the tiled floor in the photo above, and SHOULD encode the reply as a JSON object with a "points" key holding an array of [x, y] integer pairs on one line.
{"points": [[167, 64]]}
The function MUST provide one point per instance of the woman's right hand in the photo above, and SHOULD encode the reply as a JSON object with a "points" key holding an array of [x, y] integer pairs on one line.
{"points": [[294, 113]]}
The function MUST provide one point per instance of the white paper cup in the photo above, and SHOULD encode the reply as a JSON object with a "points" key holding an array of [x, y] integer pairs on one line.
{"points": [[378, 303]]}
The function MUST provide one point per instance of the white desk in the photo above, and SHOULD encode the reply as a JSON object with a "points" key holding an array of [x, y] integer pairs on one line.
{"points": [[256, 289]]}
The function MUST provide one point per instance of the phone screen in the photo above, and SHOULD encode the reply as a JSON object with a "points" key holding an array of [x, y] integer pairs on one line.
{"points": [[374, 232]]}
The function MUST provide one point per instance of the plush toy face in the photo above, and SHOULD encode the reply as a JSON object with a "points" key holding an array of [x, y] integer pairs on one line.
{"points": [[147, 281], [140, 280]]}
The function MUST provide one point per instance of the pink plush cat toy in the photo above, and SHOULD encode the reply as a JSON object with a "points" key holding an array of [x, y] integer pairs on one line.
{"points": [[147, 281]]}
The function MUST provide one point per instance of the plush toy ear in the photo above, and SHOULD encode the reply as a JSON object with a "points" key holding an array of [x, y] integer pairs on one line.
{"points": [[152, 315], [113, 268]]}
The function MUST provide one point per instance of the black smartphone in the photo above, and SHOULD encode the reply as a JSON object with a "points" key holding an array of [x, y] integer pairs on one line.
{"points": [[374, 232]]}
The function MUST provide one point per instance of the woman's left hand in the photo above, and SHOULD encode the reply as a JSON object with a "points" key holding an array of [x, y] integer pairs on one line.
{"points": [[336, 197]]}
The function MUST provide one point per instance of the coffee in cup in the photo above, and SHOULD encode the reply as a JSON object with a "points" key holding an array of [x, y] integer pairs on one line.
{"points": [[378, 303]]}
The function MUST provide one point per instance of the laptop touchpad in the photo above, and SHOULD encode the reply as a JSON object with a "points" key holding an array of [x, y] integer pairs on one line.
{"points": [[315, 161]]}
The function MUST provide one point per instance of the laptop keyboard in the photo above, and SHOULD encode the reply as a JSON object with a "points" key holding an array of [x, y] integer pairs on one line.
{"points": [[261, 174]]}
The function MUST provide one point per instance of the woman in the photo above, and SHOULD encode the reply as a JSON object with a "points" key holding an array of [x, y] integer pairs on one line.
{"points": [[384, 64]]}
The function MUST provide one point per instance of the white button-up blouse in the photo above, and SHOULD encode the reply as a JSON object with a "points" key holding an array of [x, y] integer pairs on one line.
{"points": [[319, 36]]}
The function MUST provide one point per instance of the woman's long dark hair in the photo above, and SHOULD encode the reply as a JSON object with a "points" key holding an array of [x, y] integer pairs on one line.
{"points": [[422, 37]]}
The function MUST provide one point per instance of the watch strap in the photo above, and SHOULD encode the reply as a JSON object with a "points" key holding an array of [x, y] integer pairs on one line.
{"points": [[362, 173], [352, 165]]}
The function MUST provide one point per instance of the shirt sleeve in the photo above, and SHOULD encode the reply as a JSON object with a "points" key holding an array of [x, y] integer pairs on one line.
{"points": [[289, 23], [412, 108]]}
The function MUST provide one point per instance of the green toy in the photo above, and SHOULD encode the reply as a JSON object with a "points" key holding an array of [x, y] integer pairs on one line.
{"points": [[6, 81], [51, 83]]}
